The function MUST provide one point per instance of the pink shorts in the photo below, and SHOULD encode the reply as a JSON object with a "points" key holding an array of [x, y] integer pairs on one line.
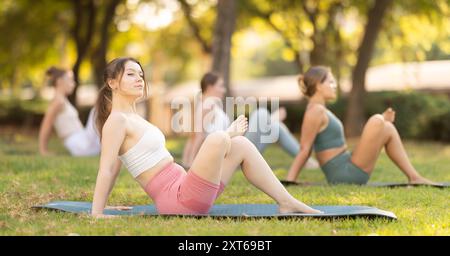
{"points": [[176, 192]]}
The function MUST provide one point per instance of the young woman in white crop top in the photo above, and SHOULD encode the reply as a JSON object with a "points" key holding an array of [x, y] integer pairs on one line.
{"points": [[210, 117], [62, 115], [129, 139]]}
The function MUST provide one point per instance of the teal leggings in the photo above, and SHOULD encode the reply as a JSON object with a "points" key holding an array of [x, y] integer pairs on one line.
{"points": [[340, 169]]}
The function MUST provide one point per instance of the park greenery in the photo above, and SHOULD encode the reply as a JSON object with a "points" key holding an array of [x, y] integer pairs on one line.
{"points": [[178, 40]]}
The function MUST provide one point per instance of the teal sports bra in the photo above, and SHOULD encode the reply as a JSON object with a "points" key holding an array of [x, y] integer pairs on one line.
{"points": [[332, 136]]}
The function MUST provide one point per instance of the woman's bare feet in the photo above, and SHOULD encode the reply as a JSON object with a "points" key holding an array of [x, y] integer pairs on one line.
{"points": [[389, 115], [422, 180], [297, 207], [238, 127]]}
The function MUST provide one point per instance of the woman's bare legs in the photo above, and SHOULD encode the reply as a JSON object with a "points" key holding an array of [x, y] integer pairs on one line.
{"points": [[258, 173], [219, 157], [209, 159], [380, 132]]}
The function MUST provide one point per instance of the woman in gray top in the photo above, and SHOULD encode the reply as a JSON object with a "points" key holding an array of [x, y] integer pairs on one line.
{"points": [[323, 132]]}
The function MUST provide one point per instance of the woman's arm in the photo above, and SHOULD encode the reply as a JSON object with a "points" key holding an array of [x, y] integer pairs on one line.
{"points": [[113, 135], [47, 123], [310, 127], [187, 151]]}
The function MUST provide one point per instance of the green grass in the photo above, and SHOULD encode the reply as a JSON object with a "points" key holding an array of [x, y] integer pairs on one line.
{"points": [[27, 179]]}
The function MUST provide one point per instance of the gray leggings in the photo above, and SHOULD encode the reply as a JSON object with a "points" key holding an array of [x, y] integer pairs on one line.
{"points": [[259, 126]]}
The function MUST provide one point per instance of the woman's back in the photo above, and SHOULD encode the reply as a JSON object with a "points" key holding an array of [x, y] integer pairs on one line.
{"points": [[212, 116], [332, 136], [329, 139], [67, 121]]}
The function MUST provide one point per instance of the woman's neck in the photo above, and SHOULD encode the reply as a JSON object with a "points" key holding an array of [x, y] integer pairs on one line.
{"points": [[123, 105], [206, 96], [317, 99], [60, 93]]}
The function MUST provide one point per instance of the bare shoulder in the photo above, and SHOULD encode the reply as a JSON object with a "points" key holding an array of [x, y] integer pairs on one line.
{"points": [[315, 110], [116, 122], [56, 105], [315, 117], [208, 106], [58, 101]]}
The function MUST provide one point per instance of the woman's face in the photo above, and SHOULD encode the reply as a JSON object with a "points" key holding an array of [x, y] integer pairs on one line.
{"points": [[218, 89], [132, 81], [66, 82], [328, 87]]}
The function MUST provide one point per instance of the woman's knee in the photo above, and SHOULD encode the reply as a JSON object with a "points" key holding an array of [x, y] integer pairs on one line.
{"points": [[219, 139], [390, 127], [239, 146], [241, 142], [377, 121]]}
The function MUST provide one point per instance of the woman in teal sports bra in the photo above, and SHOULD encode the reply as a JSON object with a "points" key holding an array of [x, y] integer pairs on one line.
{"points": [[323, 132]]}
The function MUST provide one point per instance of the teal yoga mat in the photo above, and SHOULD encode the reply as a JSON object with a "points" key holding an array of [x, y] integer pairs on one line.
{"points": [[372, 184], [233, 211]]}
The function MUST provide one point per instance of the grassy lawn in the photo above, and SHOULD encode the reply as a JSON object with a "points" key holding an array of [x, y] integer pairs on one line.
{"points": [[28, 179]]}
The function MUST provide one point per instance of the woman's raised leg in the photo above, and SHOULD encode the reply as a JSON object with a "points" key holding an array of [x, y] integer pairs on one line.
{"points": [[380, 132], [243, 153], [209, 160]]}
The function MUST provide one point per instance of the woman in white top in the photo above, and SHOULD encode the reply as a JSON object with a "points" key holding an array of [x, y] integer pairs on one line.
{"points": [[62, 115], [210, 117], [129, 139]]}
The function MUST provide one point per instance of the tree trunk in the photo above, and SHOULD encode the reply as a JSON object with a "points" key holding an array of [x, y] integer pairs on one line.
{"points": [[355, 118], [298, 62], [99, 55], [339, 55], [85, 13], [318, 54], [223, 31], [187, 11]]}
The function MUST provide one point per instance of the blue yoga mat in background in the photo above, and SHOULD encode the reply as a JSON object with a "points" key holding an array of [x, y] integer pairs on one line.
{"points": [[371, 184]]}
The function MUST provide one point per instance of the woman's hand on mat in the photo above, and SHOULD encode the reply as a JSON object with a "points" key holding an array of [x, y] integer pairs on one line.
{"points": [[104, 216], [389, 115], [119, 207], [297, 206]]}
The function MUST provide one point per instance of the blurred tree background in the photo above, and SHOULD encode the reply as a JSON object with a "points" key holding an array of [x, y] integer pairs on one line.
{"points": [[179, 40]]}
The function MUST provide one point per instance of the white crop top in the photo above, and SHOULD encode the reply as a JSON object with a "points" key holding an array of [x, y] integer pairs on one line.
{"points": [[146, 153], [67, 121], [220, 121]]}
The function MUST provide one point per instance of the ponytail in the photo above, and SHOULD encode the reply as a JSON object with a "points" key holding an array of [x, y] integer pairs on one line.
{"points": [[103, 107]]}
